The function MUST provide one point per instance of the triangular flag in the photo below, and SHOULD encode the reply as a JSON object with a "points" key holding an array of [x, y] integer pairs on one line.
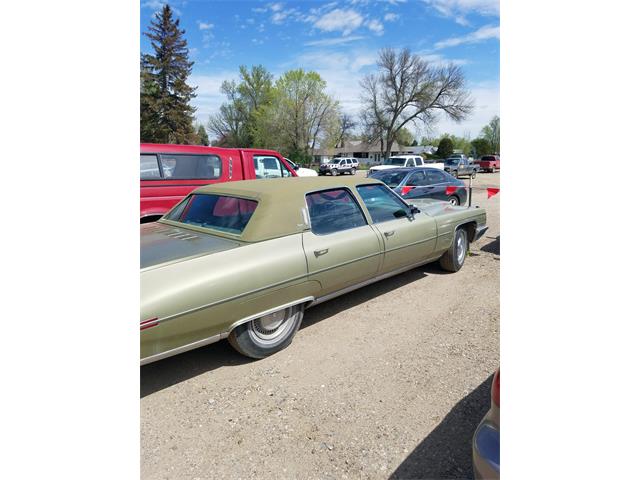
{"points": [[450, 189], [405, 190], [492, 191]]}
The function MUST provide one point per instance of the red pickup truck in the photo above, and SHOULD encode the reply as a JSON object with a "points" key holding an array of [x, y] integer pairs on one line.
{"points": [[489, 163], [169, 172]]}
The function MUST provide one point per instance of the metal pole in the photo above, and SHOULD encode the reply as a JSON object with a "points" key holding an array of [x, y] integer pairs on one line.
{"points": [[470, 190]]}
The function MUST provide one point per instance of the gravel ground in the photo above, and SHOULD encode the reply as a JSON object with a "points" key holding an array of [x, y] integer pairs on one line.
{"points": [[388, 381]]}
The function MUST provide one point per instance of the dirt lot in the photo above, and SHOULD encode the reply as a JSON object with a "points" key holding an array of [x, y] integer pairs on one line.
{"points": [[386, 382]]}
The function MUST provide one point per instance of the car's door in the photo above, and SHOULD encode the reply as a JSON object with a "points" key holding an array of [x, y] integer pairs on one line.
{"points": [[341, 248], [408, 239]]}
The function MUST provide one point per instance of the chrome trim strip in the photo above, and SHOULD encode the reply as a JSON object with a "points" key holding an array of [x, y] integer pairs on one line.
{"points": [[184, 348], [266, 312], [412, 244], [368, 282], [235, 297]]}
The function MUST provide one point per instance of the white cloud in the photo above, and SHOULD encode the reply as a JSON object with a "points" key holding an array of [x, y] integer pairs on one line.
{"points": [[339, 20], [205, 26], [209, 97], [484, 33], [391, 17], [157, 5], [333, 41], [376, 27], [439, 60], [458, 9]]}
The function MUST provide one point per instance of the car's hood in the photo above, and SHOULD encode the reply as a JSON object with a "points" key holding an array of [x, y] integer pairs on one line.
{"points": [[306, 172], [385, 167], [160, 243]]}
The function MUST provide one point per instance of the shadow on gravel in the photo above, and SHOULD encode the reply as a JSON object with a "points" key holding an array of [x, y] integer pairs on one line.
{"points": [[493, 246], [165, 373], [364, 294], [446, 452]]}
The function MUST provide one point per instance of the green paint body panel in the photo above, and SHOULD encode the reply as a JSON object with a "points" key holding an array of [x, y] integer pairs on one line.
{"points": [[200, 284]]}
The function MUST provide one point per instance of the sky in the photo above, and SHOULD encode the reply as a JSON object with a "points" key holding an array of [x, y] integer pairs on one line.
{"points": [[340, 41]]}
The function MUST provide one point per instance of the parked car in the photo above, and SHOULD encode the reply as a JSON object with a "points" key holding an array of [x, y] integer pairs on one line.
{"points": [[301, 171], [486, 439], [169, 172], [402, 161], [412, 183], [489, 163], [243, 260], [338, 166], [459, 166]]}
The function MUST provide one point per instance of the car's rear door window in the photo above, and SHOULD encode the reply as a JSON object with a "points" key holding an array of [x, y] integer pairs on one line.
{"points": [[217, 212], [149, 169], [435, 176], [185, 167], [417, 179], [382, 203], [332, 211]]}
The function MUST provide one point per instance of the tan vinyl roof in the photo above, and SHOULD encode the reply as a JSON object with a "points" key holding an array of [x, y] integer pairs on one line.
{"points": [[280, 202]]}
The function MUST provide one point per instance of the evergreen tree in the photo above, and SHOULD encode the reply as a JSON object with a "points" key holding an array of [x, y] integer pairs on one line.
{"points": [[445, 148], [165, 113], [203, 138]]}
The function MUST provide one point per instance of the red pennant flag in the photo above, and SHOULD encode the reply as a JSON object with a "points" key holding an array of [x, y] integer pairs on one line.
{"points": [[450, 189], [492, 191], [405, 190]]}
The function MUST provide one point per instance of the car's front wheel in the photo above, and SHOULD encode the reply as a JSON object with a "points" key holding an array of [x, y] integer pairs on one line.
{"points": [[473, 174], [453, 259], [334, 172], [268, 334], [353, 171]]}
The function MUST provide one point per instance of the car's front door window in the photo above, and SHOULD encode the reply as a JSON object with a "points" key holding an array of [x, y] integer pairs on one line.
{"points": [[383, 205]]}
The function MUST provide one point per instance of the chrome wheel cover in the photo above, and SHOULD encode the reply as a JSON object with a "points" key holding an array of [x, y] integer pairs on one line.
{"points": [[272, 328], [453, 201], [461, 248]]}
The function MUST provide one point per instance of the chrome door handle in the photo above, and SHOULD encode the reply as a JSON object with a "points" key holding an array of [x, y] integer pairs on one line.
{"points": [[317, 253], [389, 233]]}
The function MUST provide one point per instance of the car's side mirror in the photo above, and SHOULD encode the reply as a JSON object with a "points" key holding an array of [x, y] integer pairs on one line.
{"points": [[296, 167], [400, 213]]}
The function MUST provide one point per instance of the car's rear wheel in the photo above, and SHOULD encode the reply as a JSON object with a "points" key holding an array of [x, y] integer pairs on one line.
{"points": [[453, 259], [473, 174], [334, 172], [453, 200], [492, 170], [268, 334], [454, 173]]}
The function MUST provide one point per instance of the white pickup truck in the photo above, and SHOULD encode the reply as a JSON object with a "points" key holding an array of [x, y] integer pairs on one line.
{"points": [[400, 161]]}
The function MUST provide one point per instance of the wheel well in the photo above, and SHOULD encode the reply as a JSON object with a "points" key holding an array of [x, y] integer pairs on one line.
{"points": [[470, 228], [150, 218]]}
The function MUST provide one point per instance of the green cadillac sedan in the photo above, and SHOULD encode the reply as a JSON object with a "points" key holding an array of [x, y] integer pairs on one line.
{"points": [[243, 260]]}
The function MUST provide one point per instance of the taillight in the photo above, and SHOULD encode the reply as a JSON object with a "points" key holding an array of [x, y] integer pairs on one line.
{"points": [[495, 388]]}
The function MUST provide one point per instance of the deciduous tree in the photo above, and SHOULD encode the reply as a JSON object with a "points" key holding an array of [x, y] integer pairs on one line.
{"points": [[408, 89], [491, 133]]}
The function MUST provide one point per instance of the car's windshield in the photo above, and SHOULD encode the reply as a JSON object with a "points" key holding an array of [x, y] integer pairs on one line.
{"points": [[487, 158], [217, 212], [451, 161], [394, 161], [392, 179]]}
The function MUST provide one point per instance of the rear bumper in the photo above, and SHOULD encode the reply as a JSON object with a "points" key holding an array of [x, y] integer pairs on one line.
{"points": [[480, 231], [486, 451]]}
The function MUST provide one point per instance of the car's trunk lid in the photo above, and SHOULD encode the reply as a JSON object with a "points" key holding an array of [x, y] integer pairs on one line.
{"points": [[161, 243]]}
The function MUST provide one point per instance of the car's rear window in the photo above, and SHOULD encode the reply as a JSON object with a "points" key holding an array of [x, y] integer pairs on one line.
{"points": [[185, 167], [488, 157], [217, 212]]}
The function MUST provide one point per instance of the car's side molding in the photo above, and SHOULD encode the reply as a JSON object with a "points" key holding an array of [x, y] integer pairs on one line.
{"points": [[351, 288], [182, 349]]}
